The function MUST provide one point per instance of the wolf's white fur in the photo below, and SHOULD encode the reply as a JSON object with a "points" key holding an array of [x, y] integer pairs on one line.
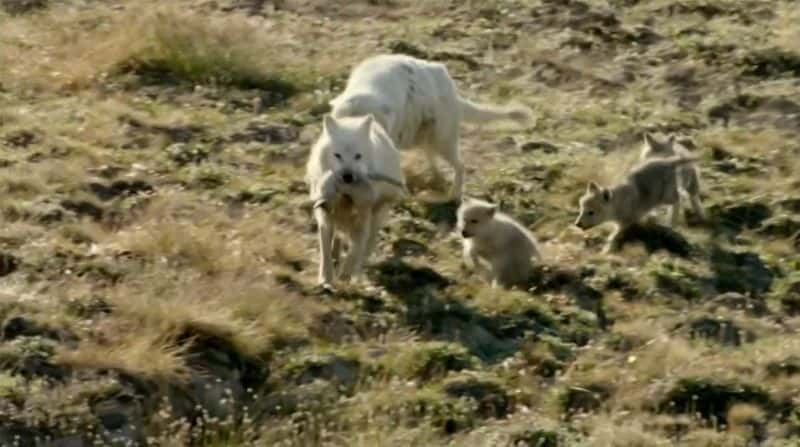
{"points": [[416, 102], [651, 184], [495, 244], [348, 154]]}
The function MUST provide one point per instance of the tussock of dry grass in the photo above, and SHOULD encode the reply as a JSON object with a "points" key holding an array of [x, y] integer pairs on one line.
{"points": [[195, 263], [61, 49], [150, 356]]}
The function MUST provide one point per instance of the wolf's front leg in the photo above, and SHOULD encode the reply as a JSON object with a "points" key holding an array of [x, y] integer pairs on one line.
{"points": [[476, 263], [379, 215], [355, 258], [325, 232], [614, 242], [674, 214]]}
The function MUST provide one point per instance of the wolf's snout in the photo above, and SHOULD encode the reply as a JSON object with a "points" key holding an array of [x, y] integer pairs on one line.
{"points": [[348, 177]]}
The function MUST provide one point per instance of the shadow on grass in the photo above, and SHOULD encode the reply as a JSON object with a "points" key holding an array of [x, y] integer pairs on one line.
{"points": [[435, 314]]}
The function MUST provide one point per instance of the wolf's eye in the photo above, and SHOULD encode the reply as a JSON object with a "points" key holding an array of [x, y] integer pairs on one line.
{"points": [[358, 157], [474, 221], [338, 156], [590, 213]]}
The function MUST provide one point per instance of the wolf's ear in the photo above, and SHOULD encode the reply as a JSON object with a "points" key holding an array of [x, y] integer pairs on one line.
{"points": [[606, 194], [329, 124], [593, 188], [388, 116], [671, 140], [367, 124], [650, 139], [491, 210]]}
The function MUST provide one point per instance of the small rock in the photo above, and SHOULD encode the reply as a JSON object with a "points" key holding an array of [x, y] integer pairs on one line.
{"points": [[719, 154], [342, 371], [399, 277], [121, 419], [183, 153], [710, 399], [584, 399], [402, 47], [780, 227], [538, 145], [722, 331], [119, 188], [8, 264], [107, 171], [21, 138], [790, 304], [20, 326], [22, 6], [790, 204], [534, 438], [47, 213], [266, 133], [656, 237], [83, 208], [789, 366], [493, 401], [771, 62], [408, 247], [737, 301], [742, 272], [748, 215], [335, 327]]}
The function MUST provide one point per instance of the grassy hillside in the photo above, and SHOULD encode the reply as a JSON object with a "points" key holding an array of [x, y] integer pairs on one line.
{"points": [[158, 258]]}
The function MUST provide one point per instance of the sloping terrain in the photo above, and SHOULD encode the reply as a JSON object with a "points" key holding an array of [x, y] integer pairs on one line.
{"points": [[158, 258]]}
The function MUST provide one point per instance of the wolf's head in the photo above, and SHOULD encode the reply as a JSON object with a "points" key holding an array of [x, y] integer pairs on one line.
{"points": [[596, 207], [474, 216], [655, 147], [348, 146]]}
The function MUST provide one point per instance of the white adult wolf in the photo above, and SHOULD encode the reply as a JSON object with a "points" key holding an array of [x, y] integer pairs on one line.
{"points": [[416, 102], [354, 177]]}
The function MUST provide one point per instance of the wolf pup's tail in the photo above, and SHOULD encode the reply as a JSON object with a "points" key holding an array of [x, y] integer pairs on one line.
{"points": [[479, 113]]}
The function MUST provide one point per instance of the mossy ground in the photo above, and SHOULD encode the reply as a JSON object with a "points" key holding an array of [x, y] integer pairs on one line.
{"points": [[158, 259]]}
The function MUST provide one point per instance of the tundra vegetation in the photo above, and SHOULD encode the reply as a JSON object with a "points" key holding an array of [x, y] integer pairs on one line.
{"points": [[158, 258]]}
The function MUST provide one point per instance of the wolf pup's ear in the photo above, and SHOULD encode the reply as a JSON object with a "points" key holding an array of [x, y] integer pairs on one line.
{"points": [[592, 188], [606, 195], [329, 124], [491, 210], [367, 124], [671, 140], [650, 139]]}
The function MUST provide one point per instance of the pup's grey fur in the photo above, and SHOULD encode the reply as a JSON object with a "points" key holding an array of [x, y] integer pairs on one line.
{"points": [[688, 176], [651, 184], [496, 245]]}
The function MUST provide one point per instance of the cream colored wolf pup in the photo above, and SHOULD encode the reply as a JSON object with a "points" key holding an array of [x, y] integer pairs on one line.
{"points": [[354, 178], [416, 103], [495, 244], [688, 176], [651, 184]]}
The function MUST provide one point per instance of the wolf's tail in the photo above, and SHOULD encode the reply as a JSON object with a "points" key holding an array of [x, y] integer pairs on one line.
{"points": [[478, 113]]}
